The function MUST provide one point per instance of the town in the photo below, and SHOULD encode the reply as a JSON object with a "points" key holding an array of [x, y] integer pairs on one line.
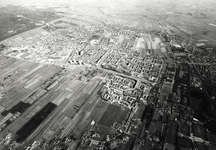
{"points": [[70, 84]]}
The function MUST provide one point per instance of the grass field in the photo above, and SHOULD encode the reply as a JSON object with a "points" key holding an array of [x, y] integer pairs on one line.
{"points": [[113, 114], [103, 131]]}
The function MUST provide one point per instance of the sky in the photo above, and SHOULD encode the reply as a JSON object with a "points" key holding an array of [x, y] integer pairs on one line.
{"points": [[105, 3], [15, 2], [93, 1]]}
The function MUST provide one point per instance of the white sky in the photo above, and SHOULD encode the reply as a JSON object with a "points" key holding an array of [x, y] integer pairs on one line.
{"points": [[136, 2], [15, 2]]}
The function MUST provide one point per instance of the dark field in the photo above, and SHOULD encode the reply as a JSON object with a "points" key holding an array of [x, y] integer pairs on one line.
{"points": [[172, 133], [184, 142], [20, 107], [33, 123], [211, 138], [184, 129], [199, 131], [113, 114]]}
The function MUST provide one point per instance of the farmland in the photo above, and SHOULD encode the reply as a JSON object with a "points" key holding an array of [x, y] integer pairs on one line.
{"points": [[113, 74]]}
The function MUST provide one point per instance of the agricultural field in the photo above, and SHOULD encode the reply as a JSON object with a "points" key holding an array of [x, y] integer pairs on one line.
{"points": [[105, 75], [16, 19]]}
